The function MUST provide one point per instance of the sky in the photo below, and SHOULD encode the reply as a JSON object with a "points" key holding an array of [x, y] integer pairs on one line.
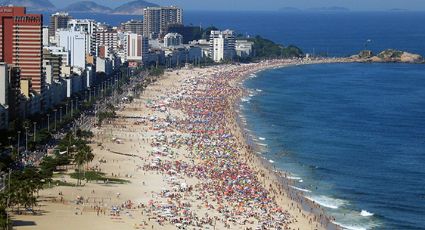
{"points": [[246, 5]]}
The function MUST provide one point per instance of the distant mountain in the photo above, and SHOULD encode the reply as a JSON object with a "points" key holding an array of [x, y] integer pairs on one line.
{"points": [[330, 9], [133, 8], [87, 7], [32, 5]]}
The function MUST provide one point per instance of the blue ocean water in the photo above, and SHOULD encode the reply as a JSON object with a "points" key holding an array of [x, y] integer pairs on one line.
{"points": [[354, 133]]}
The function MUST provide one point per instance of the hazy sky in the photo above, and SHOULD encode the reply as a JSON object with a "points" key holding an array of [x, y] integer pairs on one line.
{"points": [[417, 5]]}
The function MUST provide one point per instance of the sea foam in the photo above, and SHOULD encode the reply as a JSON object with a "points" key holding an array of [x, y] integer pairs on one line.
{"points": [[366, 213], [327, 202], [349, 227], [300, 189]]}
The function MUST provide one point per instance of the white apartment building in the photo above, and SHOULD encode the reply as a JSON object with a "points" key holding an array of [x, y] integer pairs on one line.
{"points": [[173, 39], [4, 86], [243, 48], [75, 43], [136, 47], [222, 45], [46, 39], [89, 27]]}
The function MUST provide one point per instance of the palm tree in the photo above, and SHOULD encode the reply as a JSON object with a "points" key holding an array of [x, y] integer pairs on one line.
{"points": [[84, 155], [79, 160]]}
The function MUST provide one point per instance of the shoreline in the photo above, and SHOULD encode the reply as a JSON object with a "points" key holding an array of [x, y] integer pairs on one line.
{"points": [[278, 179]]}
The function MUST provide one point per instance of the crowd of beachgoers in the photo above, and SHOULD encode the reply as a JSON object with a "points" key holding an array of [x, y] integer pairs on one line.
{"points": [[188, 161]]}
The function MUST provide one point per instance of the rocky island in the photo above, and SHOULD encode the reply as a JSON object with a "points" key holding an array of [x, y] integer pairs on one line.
{"points": [[389, 55]]}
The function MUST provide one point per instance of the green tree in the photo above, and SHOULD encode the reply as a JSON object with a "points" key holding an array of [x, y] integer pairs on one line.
{"points": [[83, 155]]}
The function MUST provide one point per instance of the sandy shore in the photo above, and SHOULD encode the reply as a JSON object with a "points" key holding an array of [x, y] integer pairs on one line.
{"points": [[188, 163]]}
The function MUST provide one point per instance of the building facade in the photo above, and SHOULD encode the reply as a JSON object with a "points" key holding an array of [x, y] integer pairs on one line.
{"points": [[157, 19], [53, 60], [75, 43], [173, 39], [243, 48], [107, 39], [21, 43], [133, 26], [89, 27], [222, 45], [136, 47]]}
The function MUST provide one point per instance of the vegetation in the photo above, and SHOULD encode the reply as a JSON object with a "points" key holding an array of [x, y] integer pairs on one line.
{"points": [[207, 31], [264, 48], [156, 71], [389, 54], [22, 188], [83, 155], [97, 176], [108, 114]]}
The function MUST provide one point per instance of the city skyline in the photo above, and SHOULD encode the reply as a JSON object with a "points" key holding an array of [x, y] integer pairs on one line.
{"points": [[272, 5]]}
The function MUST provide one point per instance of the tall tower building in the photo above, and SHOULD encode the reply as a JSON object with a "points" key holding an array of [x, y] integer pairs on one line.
{"points": [[136, 47], [75, 43], [58, 21], [157, 19], [21, 43], [222, 45]]}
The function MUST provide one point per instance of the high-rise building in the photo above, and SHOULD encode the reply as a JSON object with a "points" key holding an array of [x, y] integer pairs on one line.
{"points": [[75, 43], [46, 37], [133, 26], [53, 60], [4, 84], [21, 43], [4, 104], [136, 47], [222, 45], [107, 39], [157, 19], [58, 20], [89, 27]]}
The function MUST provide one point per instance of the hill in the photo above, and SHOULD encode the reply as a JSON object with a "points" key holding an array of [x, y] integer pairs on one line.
{"points": [[32, 5], [133, 8], [87, 7]]}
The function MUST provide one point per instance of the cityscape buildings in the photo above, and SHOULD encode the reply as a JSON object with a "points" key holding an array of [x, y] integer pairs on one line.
{"points": [[40, 66]]}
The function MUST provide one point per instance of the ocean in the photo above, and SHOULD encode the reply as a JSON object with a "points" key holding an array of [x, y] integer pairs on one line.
{"points": [[353, 134]]}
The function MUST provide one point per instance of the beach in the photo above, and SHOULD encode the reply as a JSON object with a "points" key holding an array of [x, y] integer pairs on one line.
{"points": [[189, 163]]}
